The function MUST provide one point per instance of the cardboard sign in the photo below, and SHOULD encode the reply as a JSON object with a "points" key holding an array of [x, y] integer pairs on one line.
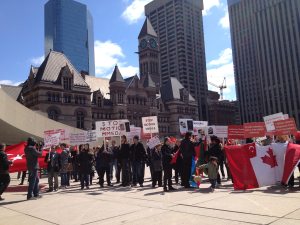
{"points": [[235, 132], [108, 128], [199, 127], [186, 125], [146, 136], [261, 138], [78, 138], [254, 130], [286, 116], [134, 131], [221, 131], [91, 136], [124, 127], [285, 127], [269, 120], [51, 137], [153, 142], [64, 134], [211, 130], [150, 124]]}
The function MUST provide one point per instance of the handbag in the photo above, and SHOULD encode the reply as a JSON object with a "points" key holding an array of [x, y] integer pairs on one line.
{"points": [[157, 165], [70, 167]]}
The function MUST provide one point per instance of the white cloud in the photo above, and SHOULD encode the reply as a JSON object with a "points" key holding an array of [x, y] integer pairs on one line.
{"points": [[225, 20], [225, 57], [9, 82], [135, 11], [216, 76], [107, 55], [208, 4], [37, 61]]}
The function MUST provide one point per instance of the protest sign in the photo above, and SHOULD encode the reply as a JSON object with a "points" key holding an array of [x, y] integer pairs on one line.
{"points": [[146, 136], [134, 131], [51, 137], [286, 116], [124, 127], [150, 124], [221, 131], [186, 125], [261, 138], [285, 127], [254, 130], [78, 138], [91, 136], [199, 127], [153, 142], [64, 134], [108, 128], [235, 132], [269, 120], [211, 130]]}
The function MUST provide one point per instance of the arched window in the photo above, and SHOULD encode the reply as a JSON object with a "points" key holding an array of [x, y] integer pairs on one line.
{"points": [[121, 115], [65, 99], [76, 100], [53, 98], [69, 99], [137, 101], [57, 98], [99, 102], [93, 127], [53, 115], [144, 101], [141, 101], [49, 97], [83, 101], [128, 100], [80, 120], [79, 101]]}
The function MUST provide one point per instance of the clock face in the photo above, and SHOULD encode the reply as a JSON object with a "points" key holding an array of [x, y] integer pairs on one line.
{"points": [[152, 43], [143, 44]]}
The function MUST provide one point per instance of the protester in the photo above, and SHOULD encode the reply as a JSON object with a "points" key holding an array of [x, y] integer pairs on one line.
{"points": [[212, 167], [23, 177], [179, 162], [53, 168], [150, 163], [229, 175], [221, 162], [32, 152], [97, 160], [105, 154], [75, 165], [167, 157], [137, 153], [64, 165], [215, 151], [93, 166], [85, 157], [157, 165], [114, 161], [188, 151], [4, 170], [123, 158]]}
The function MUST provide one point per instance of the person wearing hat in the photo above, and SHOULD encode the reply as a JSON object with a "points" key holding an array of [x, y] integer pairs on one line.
{"points": [[32, 152]]}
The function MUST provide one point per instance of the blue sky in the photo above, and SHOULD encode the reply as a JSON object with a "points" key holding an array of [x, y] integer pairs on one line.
{"points": [[117, 24]]}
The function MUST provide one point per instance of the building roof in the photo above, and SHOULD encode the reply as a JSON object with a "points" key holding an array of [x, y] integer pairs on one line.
{"points": [[171, 90], [148, 82], [116, 76], [12, 91], [97, 83], [51, 68], [128, 81], [147, 29]]}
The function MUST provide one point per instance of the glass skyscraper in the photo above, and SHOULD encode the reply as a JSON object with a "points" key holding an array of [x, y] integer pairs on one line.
{"points": [[69, 29]]}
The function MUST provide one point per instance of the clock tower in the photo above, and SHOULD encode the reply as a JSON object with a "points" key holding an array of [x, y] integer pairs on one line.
{"points": [[149, 54]]}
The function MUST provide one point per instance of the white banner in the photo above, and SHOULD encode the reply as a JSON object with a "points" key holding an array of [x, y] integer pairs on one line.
{"points": [[269, 120], [186, 125], [51, 137], [221, 131], [108, 128], [91, 136], [134, 131], [153, 142], [199, 127], [150, 125], [78, 138]]}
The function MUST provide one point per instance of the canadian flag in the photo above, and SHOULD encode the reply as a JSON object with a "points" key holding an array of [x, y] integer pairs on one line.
{"points": [[254, 166]]}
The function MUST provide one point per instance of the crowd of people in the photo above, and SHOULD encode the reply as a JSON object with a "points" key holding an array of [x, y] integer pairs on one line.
{"points": [[127, 163]]}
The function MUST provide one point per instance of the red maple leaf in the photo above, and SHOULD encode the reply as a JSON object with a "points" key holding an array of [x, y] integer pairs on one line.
{"points": [[270, 160]]}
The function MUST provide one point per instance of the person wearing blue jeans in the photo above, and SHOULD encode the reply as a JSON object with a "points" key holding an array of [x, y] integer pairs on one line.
{"points": [[213, 183], [85, 178], [114, 162], [212, 167], [32, 152], [137, 155], [64, 179]]}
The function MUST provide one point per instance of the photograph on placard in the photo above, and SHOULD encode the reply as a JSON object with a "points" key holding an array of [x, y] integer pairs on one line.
{"points": [[210, 130], [182, 125], [190, 125]]}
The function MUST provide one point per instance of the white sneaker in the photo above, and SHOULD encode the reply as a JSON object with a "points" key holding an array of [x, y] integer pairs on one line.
{"points": [[213, 190]]}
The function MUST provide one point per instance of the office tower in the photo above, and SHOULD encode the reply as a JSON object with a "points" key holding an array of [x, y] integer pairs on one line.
{"points": [[179, 26], [265, 43], [69, 29]]}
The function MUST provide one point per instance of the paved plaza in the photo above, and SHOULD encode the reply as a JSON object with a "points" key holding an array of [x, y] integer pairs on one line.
{"points": [[117, 205]]}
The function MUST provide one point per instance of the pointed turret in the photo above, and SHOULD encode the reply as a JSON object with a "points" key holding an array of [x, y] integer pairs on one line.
{"points": [[116, 76], [147, 29], [148, 82]]}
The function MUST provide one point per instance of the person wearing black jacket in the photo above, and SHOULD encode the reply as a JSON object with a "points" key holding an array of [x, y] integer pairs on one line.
{"points": [[75, 165], [137, 154], [53, 168], [123, 158], [157, 165], [32, 152], [179, 162], [4, 170], [187, 148], [85, 158], [215, 151], [167, 157], [105, 155], [114, 162]]}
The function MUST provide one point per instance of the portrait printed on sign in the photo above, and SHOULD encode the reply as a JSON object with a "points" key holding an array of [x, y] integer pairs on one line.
{"points": [[182, 125]]}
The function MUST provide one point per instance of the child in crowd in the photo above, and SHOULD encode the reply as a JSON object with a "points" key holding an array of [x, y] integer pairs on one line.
{"points": [[212, 167]]}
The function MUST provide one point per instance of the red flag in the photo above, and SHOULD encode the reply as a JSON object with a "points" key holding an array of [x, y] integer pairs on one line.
{"points": [[292, 158], [175, 157], [17, 154], [197, 150], [75, 148], [173, 140]]}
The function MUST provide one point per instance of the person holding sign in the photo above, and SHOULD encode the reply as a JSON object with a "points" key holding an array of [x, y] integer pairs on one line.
{"points": [[85, 159], [167, 157], [105, 155], [137, 153]]}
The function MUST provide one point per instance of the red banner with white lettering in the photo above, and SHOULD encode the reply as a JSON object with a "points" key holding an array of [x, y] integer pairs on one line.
{"points": [[235, 132], [285, 127]]}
